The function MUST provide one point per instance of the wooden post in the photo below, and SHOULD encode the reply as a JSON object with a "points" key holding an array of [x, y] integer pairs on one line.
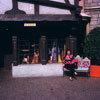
{"points": [[76, 2], [43, 50], [56, 51], [15, 9], [14, 41], [71, 43], [36, 9]]}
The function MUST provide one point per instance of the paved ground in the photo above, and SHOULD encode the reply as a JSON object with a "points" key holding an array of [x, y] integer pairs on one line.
{"points": [[48, 88]]}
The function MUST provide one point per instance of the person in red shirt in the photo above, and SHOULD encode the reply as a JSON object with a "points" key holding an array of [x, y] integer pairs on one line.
{"points": [[70, 64]]}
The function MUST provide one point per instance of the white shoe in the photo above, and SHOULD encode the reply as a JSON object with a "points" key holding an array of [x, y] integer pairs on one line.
{"points": [[70, 78], [75, 73]]}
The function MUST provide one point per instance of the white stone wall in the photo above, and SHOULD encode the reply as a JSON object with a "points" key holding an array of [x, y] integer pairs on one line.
{"points": [[92, 8]]}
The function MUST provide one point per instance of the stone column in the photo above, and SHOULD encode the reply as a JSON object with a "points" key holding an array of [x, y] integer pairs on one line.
{"points": [[15, 9], [14, 44], [43, 50]]}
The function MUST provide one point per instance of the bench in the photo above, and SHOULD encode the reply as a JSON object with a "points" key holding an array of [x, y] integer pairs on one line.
{"points": [[83, 66]]}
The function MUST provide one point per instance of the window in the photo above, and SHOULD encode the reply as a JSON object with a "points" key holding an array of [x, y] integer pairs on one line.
{"points": [[28, 52]]}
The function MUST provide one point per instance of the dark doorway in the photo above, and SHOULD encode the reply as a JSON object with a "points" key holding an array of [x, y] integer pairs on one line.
{"points": [[5, 44]]}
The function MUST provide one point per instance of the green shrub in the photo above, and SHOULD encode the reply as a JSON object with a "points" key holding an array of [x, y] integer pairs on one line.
{"points": [[92, 45]]}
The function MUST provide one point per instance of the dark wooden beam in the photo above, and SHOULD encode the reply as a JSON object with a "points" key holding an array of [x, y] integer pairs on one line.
{"points": [[24, 17], [52, 4], [14, 43], [15, 9], [43, 50], [68, 3], [36, 9], [77, 2]]}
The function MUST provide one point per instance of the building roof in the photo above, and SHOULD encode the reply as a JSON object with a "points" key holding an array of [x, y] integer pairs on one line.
{"points": [[85, 15]]}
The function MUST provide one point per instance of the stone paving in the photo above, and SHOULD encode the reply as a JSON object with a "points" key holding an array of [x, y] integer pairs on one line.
{"points": [[48, 88]]}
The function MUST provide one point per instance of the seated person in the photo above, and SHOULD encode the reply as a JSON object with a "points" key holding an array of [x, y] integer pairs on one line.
{"points": [[70, 63]]}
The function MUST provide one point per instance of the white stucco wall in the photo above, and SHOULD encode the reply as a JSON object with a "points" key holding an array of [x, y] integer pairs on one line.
{"points": [[50, 10], [71, 2], [63, 1], [5, 5], [29, 8]]}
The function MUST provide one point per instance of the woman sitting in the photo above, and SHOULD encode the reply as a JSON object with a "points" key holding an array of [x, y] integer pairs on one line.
{"points": [[70, 64]]}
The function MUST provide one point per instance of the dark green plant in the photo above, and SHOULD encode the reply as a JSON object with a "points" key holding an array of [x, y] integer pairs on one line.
{"points": [[92, 45]]}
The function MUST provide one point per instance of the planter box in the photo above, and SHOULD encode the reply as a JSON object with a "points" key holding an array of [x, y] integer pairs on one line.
{"points": [[94, 71]]}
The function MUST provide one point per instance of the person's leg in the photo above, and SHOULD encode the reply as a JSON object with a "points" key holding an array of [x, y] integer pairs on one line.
{"points": [[74, 67], [67, 66], [72, 72]]}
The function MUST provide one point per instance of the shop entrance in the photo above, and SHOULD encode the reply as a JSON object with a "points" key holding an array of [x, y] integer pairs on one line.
{"points": [[56, 50], [28, 51], [55, 32], [29, 40]]}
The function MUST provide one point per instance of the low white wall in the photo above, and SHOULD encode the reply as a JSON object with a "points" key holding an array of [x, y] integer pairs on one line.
{"points": [[37, 70]]}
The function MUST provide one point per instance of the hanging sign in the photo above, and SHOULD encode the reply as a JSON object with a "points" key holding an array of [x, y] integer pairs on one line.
{"points": [[29, 24]]}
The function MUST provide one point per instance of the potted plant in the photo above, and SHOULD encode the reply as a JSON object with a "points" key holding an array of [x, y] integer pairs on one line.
{"points": [[92, 49]]}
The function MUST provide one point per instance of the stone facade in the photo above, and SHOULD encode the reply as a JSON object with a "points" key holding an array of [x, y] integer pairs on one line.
{"points": [[92, 8]]}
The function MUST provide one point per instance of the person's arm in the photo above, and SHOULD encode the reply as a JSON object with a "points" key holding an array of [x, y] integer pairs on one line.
{"points": [[71, 59]]}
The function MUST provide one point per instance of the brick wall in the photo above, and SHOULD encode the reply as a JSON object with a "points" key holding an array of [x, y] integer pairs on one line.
{"points": [[92, 8]]}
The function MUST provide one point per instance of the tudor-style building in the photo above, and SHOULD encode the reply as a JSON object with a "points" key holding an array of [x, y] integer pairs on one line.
{"points": [[36, 30]]}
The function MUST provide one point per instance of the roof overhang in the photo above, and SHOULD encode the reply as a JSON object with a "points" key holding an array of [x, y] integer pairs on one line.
{"points": [[24, 17], [85, 17]]}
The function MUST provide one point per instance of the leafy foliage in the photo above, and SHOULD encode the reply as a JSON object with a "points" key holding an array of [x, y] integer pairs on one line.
{"points": [[92, 45]]}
